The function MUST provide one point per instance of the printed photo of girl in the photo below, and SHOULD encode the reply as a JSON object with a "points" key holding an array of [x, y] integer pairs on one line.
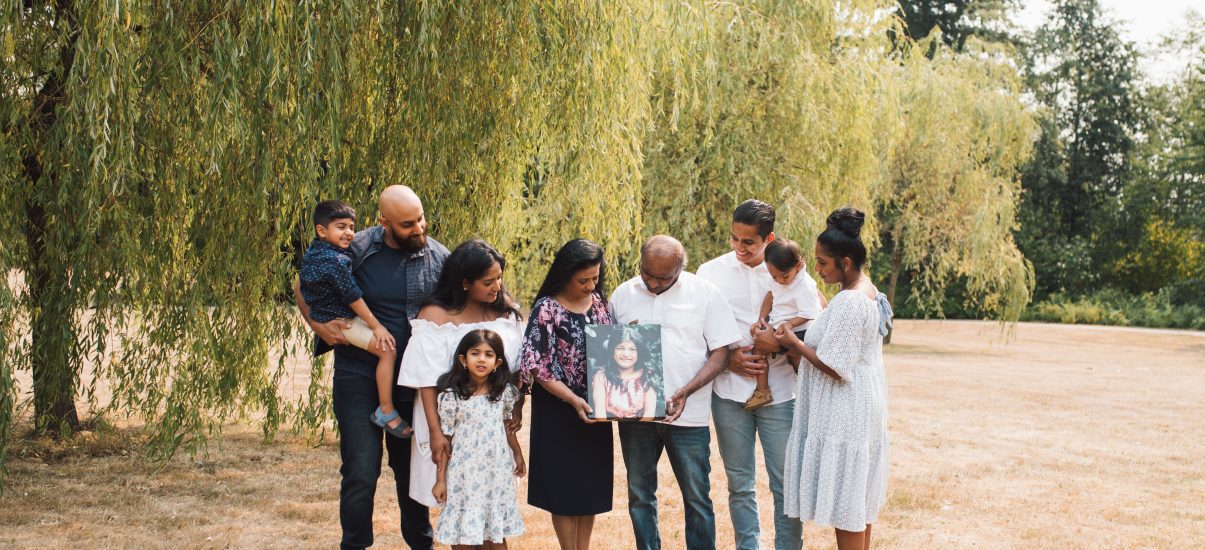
{"points": [[625, 380]]}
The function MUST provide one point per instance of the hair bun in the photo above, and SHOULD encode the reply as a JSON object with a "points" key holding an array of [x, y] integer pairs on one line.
{"points": [[847, 220]]}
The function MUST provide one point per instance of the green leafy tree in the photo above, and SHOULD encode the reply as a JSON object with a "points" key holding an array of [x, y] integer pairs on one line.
{"points": [[160, 161], [1162, 219], [786, 104], [1085, 77], [957, 20], [952, 206]]}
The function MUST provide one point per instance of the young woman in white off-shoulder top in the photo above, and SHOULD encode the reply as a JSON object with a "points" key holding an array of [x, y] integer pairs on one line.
{"points": [[468, 296]]}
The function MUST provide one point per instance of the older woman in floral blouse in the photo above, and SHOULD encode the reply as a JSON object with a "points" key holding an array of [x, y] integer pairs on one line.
{"points": [[571, 455]]}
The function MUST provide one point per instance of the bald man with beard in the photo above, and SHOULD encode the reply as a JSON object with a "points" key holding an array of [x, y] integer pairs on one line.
{"points": [[396, 265]]}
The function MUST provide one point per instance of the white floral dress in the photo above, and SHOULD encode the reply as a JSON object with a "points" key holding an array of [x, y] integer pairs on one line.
{"points": [[427, 357], [836, 460], [481, 505]]}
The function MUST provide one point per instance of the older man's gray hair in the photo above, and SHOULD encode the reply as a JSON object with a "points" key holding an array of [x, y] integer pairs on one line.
{"points": [[664, 246]]}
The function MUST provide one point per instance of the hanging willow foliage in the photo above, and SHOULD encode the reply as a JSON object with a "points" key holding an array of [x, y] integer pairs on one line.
{"points": [[160, 161], [781, 110], [955, 186]]}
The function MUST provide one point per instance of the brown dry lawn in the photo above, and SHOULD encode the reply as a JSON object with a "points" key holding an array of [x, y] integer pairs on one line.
{"points": [[1064, 436]]}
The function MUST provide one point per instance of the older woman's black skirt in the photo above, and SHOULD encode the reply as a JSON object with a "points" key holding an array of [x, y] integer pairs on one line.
{"points": [[571, 469]]}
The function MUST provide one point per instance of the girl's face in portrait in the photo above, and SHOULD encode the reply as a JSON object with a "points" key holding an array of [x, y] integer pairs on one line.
{"points": [[583, 281], [486, 288], [480, 361], [625, 355], [829, 268]]}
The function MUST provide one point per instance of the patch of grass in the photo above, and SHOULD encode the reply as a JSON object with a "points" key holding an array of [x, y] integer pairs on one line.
{"points": [[910, 495], [1113, 307], [97, 439]]}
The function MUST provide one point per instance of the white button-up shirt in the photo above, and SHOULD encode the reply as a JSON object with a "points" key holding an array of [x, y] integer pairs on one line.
{"points": [[743, 288], [694, 319]]}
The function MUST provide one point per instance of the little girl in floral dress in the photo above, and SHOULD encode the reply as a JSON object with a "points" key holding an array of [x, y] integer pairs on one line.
{"points": [[476, 485]]}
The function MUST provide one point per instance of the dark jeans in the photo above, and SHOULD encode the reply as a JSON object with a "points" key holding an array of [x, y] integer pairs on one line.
{"points": [[689, 450], [355, 398]]}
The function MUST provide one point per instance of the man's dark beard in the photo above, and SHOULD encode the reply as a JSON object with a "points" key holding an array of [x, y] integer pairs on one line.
{"points": [[411, 244]]}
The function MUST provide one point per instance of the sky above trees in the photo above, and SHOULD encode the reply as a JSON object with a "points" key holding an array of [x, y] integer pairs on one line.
{"points": [[1144, 23]]}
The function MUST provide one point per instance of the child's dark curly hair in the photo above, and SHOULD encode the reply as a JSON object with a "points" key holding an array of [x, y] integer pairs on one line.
{"points": [[458, 379]]}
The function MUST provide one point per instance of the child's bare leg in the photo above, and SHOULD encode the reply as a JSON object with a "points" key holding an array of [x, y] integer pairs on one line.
{"points": [[494, 545], [384, 375], [763, 381]]}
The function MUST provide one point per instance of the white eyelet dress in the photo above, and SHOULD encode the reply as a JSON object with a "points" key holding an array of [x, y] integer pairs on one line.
{"points": [[837, 455], [428, 355]]}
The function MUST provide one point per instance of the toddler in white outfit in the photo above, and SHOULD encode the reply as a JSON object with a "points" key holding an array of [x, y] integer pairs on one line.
{"points": [[791, 299]]}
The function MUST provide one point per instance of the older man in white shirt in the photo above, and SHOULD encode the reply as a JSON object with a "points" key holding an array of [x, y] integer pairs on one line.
{"points": [[697, 326], [743, 279]]}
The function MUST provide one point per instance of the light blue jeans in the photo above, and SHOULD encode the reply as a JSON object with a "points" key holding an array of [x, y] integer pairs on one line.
{"points": [[736, 430]]}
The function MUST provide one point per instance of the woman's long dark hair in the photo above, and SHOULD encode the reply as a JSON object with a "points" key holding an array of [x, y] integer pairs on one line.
{"points": [[574, 256], [469, 262], [458, 379]]}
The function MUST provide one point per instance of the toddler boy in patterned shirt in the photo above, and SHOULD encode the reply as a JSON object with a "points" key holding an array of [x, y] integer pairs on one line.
{"points": [[331, 292]]}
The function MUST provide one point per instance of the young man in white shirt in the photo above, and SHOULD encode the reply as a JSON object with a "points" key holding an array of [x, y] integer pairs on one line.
{"points": [[697, 326], [743, 279]]}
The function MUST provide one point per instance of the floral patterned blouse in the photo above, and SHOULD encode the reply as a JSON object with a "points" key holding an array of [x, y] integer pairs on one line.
{"points": [[625, 400], [554, 346]]}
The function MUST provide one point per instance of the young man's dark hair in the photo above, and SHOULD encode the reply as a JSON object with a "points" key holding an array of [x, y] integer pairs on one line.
{"points": [[329, 211], [756, 213]]}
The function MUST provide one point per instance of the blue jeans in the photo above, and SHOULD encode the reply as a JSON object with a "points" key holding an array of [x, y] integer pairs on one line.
{"points": [[689, 450], [355, 398], [735, 430]]}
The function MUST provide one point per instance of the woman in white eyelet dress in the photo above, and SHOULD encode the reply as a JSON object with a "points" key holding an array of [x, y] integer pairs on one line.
{"points": [[474, 292], [837, 455]]}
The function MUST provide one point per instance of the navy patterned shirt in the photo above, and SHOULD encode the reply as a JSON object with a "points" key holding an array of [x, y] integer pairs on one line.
{"points": [[371, 268], [327, 283]]}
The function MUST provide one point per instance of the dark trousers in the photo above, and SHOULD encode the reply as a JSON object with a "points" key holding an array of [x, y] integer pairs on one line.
{"points": [[355, 398]]}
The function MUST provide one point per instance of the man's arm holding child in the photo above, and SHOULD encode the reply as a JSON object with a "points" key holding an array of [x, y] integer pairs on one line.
{"points": [[384, 339], [330, 332], [793, 322]]}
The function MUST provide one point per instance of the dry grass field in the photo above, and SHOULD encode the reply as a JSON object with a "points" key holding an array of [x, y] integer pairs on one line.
{"points": [[1062, 437]]}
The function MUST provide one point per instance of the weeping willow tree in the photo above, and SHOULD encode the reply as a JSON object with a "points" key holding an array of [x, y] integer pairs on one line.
{"points": [[952, 205], [791, 103], [160, 160]]}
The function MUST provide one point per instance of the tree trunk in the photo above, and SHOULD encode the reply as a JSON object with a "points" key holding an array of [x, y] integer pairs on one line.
{"points": [[51, 299], [897, 258], [54, 358]]}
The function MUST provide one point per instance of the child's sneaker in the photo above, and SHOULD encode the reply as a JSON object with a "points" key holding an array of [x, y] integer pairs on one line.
{"points": [[759, 399]]}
